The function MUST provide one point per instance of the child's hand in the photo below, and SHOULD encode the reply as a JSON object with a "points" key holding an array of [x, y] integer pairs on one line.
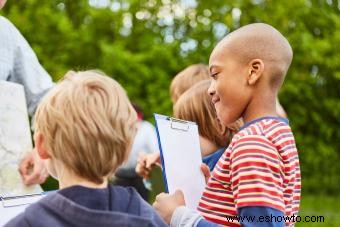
{"points": [[32, 169], [152, 160], [145, 163], [206, 172], [165, 204], [141, 165]]}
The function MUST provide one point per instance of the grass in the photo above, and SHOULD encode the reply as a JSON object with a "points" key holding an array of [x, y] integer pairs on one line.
{"points": [[157, 184], [320, 205]]}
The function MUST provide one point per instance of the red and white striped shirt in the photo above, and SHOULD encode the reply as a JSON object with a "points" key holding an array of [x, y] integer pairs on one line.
{"points": [[259, 168]]}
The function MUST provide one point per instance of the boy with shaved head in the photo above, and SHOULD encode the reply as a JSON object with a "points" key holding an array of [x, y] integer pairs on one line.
{"points": [[258, 176]]}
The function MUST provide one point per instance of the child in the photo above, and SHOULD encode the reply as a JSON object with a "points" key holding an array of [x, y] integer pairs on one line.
{"points": [[180, 83], [84, 130], [195, 105], [259, 174], [186, 78], [213, 139]]}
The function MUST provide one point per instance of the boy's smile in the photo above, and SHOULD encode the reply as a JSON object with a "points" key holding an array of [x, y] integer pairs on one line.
{"points": [[215, 99], [228, 88]]}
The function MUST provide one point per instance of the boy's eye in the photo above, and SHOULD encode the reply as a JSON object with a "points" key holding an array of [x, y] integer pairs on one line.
{"points": [[214, 76]]}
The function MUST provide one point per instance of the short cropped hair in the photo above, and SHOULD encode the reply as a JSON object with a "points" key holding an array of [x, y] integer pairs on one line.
{"points": [[186, 78], [88, 124], [195, 105]]}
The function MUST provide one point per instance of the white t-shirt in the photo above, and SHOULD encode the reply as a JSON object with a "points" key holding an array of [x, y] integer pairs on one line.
{"points": [[145, 141], [19, 64]]}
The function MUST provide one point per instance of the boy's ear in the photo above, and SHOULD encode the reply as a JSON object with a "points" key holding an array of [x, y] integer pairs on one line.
{"points": [[256, 68], [40, 146]]}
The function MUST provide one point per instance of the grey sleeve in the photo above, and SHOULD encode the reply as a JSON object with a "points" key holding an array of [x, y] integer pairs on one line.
{"points": [[26, 70], [185, 217], [151, 140]]}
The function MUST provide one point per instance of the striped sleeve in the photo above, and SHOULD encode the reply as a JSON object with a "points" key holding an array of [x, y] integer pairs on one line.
{"points": [[256, 175]]}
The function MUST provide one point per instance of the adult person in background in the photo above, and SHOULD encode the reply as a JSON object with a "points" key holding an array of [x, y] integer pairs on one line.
{"points": [[144, 142], [19, 64]]}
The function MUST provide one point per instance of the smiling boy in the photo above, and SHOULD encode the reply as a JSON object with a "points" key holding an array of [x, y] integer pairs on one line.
{"points": [[259, 173]]}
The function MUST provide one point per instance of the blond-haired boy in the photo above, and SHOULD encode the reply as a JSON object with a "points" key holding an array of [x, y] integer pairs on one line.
{"points": [[84, 129], [258, 175]]}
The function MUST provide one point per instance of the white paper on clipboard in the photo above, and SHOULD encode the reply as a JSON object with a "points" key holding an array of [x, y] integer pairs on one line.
{"points": [[10, 207], [181, 157]]}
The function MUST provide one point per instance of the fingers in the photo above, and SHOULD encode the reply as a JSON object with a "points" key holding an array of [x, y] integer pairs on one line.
{"points": [[26, 164], [165, 204], [206, 172], [35, 177], [31, 179], [142, 170], [179, 194], [152, 160], [145, 164], [179, 197], [33, 170], [161, 195], [159, 202]]}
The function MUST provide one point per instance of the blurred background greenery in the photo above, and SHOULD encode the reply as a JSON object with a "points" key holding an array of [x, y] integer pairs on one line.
{"points": [[144, 43]]}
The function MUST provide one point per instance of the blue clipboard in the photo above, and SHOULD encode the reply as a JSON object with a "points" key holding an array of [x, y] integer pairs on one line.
{"points": [[181, 158]]}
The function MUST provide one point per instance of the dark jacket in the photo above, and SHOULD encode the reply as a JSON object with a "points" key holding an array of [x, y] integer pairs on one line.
{"points": [[85, 207]]}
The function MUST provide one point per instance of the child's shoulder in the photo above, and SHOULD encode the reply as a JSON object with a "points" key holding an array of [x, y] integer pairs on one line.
{"points": [[134, 203], [263, 128], [121, 194], [126, 207]]}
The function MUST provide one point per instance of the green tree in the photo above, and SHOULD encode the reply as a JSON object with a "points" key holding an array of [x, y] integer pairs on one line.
{"points": [[143, 44]]}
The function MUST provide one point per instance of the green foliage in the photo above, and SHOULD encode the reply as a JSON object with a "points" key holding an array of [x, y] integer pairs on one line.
{"points": [[143, 44]]}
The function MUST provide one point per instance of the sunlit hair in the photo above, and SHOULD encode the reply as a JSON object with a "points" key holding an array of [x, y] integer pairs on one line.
{"points": [[88, 124], [186, 78], [195, 105]]}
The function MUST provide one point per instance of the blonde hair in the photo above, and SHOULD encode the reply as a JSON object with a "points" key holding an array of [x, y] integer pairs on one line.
{"points": [[88, 124], [186, 78], [195, 105]]}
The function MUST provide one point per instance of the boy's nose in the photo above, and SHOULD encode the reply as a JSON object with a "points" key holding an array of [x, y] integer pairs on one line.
{"points": [[211, 89]]}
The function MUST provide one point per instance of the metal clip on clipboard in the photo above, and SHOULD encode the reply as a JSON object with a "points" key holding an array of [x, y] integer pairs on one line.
{"points": [[11, 201], [179, 124]]}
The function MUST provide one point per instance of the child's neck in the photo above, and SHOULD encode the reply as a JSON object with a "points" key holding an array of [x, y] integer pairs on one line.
{"points": [[68, 179], [207, 147], [262, 105]]}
